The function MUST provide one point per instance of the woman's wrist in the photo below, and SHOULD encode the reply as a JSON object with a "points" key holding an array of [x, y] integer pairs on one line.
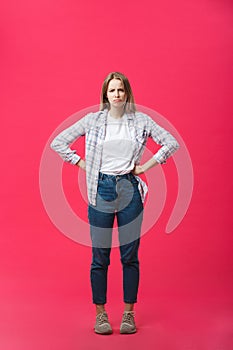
{"points": [[141, 169], [81, 164]]}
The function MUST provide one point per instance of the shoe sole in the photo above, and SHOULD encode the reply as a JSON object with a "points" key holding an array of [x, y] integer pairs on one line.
{"points": [[125, 331], [104, 333]]}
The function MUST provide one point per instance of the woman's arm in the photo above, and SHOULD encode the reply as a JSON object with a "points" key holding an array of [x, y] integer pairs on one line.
{"points": [[168, 143], [61, 142], [140, 169]]}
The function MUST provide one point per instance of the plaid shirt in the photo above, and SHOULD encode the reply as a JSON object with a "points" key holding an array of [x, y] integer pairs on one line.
{"points": [[93, 126]]}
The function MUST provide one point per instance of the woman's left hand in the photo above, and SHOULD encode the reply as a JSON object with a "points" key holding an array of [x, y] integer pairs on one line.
{"points": [[138, 169]]}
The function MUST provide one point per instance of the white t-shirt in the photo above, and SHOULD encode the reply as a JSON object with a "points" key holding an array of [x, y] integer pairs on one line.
{"points": [[117, 156]]}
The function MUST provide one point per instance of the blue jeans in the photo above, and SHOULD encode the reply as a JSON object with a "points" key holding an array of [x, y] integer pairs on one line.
{"points": [[118, 196]]}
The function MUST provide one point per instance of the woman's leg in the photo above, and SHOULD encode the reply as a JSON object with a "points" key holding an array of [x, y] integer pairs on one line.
{"points": [[101, 219], [129, 225], [101, 248], [130, 265]]}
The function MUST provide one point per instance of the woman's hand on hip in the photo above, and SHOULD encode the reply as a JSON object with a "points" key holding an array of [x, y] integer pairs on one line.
{"points": [[138, 169], [82, 164]]}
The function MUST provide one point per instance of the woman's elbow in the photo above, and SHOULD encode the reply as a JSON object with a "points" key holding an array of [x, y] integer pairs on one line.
{"points": [[52, 144], [176, 145]]}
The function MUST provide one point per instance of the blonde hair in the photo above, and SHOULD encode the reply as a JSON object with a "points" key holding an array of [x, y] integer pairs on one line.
{"points": [[130, 104]]}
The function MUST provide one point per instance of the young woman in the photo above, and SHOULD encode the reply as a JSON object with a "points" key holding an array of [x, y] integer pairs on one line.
{"points": [[115, 138]]}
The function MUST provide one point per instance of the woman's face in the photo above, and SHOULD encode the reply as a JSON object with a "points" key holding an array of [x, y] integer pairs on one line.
{"points": [[116, 93]]}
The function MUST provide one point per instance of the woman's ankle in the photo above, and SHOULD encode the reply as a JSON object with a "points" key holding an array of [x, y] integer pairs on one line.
{"points": [[129, 307], [99, 308]]}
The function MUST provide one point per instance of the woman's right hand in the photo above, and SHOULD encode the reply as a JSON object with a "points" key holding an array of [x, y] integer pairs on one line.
{"points": [[82, 164]]}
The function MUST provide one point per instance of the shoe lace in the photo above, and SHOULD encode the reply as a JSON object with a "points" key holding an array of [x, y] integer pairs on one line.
{"points": [[128, 317], [102, 318]]}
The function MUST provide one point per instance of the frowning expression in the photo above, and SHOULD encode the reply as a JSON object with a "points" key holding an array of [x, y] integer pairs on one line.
{"points": [[116, 93]]}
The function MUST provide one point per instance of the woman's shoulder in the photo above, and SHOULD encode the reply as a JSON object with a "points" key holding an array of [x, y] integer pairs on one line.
{"points": [[141, 117], [94, 118]]}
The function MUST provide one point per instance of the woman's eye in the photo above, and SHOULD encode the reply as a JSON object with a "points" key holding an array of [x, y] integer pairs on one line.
{"points": [[120, 90]]}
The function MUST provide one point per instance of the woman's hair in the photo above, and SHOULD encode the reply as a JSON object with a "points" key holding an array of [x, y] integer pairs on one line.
{"points": [[130, 104]]}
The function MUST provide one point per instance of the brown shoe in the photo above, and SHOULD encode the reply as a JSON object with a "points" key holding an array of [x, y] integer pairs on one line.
{"points": [[102, 325], [128, 323]]}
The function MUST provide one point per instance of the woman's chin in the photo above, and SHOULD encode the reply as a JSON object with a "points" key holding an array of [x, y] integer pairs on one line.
{"points": [[118, 104]]}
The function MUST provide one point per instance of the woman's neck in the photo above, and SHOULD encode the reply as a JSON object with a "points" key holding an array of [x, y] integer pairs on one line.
{"points": [[116, 112]]}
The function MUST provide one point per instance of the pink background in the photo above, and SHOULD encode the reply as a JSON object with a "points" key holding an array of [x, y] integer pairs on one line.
{"points": [[178, 57]]}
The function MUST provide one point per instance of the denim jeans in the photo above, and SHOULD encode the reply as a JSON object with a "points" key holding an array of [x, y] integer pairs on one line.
{"points": [[118, 196]]}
